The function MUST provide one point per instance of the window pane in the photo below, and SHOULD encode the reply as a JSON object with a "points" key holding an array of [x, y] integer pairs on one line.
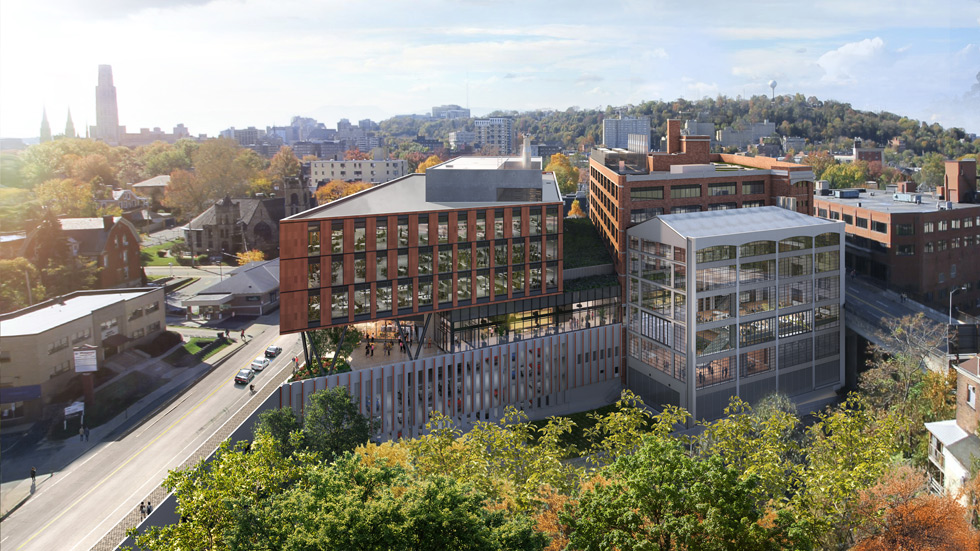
{"points": [[382, 263], [402, 263], [461, 234], [337, 271], [534, 251], [500, 254], [404, 295], [464, 258], [536, 223], [313, 309], [551, 248], [756, 301], [313, 242], [464, 286], [425, 261], [445, 289], [402, 233], [338, 303], [381, 236], [517, 280], [313, 275], [383, 298], [425, 292], [483, 257], [482, 284], [481, 226], [751, 272], [445, 259], [337, 240], [517, 253], [360, 269], [423, 231], [360, 238], [500, 284], [795, 266]]}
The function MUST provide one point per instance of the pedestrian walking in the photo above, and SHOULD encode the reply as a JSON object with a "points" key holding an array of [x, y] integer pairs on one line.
{"points": [[149, 508], [33, 474], [81, 434], [86, 433], [142, 510], [243, 335]]}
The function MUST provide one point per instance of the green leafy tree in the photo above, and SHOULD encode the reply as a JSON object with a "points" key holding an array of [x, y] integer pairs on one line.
{"points": [[763, 444], [350, 505], [332, 424], [15, 274], [282, 426], [848, 450], [662, 498], [566, 174]]}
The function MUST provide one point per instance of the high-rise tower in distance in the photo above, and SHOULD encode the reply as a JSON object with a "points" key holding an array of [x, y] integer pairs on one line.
{"points": [[106, 111]]}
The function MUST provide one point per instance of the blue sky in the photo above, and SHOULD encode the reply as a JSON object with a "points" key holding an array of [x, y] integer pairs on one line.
{"points": [[215, 64]]}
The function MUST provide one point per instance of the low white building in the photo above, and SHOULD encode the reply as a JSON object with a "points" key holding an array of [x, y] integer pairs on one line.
{"points": [[953, 444], [373, 172]]}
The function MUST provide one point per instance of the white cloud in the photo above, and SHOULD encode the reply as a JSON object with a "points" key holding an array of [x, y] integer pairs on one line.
{"points": [[853, 61]]}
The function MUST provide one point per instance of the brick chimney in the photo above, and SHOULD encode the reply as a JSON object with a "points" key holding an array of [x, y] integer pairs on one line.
{"points": [[673, 136], [107, 222]]}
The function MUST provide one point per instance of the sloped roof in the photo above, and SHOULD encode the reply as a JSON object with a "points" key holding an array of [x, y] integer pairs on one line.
{"points": [[248, 207], [156, 181], [250, 279], [89, 233]]}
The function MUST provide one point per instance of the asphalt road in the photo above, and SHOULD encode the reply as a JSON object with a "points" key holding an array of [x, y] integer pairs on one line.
{"points": [[79, 505]]}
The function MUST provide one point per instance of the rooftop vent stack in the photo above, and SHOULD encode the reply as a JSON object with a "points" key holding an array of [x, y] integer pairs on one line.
{"points": [[527, 151], [622, 166]]}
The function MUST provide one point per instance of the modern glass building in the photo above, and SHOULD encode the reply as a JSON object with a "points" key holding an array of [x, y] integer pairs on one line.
{"points": [[744, 302]]}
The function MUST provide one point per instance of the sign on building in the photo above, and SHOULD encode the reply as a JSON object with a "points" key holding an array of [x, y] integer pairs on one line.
{"points": [[86, 359]]}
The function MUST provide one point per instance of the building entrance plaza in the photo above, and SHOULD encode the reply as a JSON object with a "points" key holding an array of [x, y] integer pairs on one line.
{"points": [[491, 325]]}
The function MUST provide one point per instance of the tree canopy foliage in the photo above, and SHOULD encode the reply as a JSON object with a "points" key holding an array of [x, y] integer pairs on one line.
{"points": [[755, 479]]}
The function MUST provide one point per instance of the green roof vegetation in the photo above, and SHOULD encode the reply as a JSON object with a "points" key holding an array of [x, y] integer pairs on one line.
{"points": [[583, 246]]}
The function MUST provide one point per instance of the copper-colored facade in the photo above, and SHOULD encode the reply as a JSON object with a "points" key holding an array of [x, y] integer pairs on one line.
{"points": [[396, 265]]}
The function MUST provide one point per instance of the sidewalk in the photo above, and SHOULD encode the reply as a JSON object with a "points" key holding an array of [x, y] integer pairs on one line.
{"points": [[56, 455]]}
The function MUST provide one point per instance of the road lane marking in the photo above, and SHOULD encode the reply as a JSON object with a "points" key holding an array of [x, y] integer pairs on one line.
{"points": [[187, 457], [859, 299], [117, 469]]}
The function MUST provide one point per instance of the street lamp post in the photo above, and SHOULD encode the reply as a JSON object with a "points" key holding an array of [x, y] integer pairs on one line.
{"points": [[951, 293]]}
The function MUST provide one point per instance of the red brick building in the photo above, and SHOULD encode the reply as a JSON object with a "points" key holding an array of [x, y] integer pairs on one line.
{"points": [[922, 244], [113, 243], [470, 231], [627, 188]]}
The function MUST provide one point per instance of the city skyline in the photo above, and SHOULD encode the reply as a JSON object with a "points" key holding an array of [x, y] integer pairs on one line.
{"points": [[215, 64]]}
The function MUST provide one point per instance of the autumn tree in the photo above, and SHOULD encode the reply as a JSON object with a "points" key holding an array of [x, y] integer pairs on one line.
{"points": [[819, 161], [335, 189], [253, 255], [223, 168], [94, 169], [432, 161], [186, 193], [899, 512], [68, 197], [576, 210], [566, 174], [356, 155], [283, 167]]}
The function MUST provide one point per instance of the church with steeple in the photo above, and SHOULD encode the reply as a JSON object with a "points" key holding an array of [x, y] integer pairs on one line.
{"points": [[45, 127]]}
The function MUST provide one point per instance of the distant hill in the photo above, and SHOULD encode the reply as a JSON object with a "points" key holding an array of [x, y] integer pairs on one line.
{"points": [[825, 124]]}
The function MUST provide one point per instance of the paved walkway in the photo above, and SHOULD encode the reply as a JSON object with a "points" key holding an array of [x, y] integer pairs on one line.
{"points": [[49, 456]]}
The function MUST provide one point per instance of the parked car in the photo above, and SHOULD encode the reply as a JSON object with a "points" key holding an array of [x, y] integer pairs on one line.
{"points": [[244, 376], [273, 351], [258, 364]]}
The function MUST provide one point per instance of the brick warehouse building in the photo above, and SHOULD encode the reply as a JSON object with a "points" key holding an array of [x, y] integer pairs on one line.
{"points": [[470, 231], [627, 187], [922, 244]]}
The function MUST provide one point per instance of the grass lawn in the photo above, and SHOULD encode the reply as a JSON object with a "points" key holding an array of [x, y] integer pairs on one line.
{"points": [[183, 355], [150, 257], [582, 421], [583, 246]]}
